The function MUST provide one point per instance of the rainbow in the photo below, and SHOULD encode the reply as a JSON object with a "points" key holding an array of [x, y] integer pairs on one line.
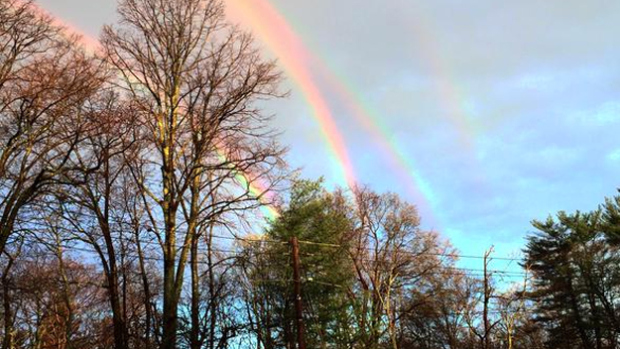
{"points": [[256, 189], [450, 93], [415, 183], [273, 29], [259, 191]]}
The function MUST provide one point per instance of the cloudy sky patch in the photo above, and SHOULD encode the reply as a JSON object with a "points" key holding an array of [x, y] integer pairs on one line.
{"points": [[505, 111]]}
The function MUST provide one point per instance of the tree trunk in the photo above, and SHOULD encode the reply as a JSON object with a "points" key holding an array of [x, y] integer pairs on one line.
{"points": [[147, 291], [120, 328], [195, 306], [212, 291], [7, 342], [170, 316], [170, 305]]}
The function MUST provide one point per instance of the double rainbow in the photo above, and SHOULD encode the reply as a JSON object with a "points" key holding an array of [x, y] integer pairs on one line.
{"points": [[277, 33], [273, 29]]}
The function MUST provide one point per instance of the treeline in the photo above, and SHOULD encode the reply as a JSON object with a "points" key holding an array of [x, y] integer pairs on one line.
{"points": [[131, 183]]}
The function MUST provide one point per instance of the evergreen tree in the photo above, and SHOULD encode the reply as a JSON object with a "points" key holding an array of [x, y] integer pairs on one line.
{"points": [[319, 220], [576, 280]]}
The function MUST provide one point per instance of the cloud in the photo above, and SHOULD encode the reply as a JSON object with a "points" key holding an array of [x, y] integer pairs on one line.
{"points": [[533, 84]]}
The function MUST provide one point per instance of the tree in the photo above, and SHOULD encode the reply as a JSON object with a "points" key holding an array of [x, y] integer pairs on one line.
{"points": [[439, 312], [56, 301], [193, 80], [392, 259], [321, 223], [44, 81], [576, 276], [93, 202]]}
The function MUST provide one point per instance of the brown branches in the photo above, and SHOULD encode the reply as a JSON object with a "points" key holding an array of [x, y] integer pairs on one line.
{"points": [[193, 79], [44, 82]]}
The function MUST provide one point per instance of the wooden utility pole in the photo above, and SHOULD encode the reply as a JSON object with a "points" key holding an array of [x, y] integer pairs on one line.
{"points": [[487, 298], [301, 343]]}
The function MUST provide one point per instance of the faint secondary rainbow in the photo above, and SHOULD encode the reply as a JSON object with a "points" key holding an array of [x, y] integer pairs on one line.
{"points": [[416, 185], [254, 187], [451, 94], [453, 101], [274, 31]]}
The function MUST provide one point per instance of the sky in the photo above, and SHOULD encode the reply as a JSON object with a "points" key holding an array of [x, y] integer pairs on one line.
{"points": [[485, 114]]}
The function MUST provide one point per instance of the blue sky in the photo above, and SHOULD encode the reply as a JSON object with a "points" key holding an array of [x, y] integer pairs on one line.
{"points": [[533, 85]]}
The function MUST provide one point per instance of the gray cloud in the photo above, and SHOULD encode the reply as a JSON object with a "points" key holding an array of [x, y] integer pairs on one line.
{"points": [[535, 83]]}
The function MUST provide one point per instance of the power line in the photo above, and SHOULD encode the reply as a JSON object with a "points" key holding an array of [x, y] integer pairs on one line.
{"points": [[449, 271], [340, 246], [236, 254]]}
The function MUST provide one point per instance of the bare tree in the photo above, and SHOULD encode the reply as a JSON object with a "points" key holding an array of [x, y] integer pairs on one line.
{"points": [[194, 79], [57, 301], [93, 202], [391, 257], [44, 80], [512, 309]]}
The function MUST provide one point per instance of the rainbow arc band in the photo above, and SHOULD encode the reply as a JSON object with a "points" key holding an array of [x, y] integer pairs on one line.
{"points": [[273, 29], [295, 59]]}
